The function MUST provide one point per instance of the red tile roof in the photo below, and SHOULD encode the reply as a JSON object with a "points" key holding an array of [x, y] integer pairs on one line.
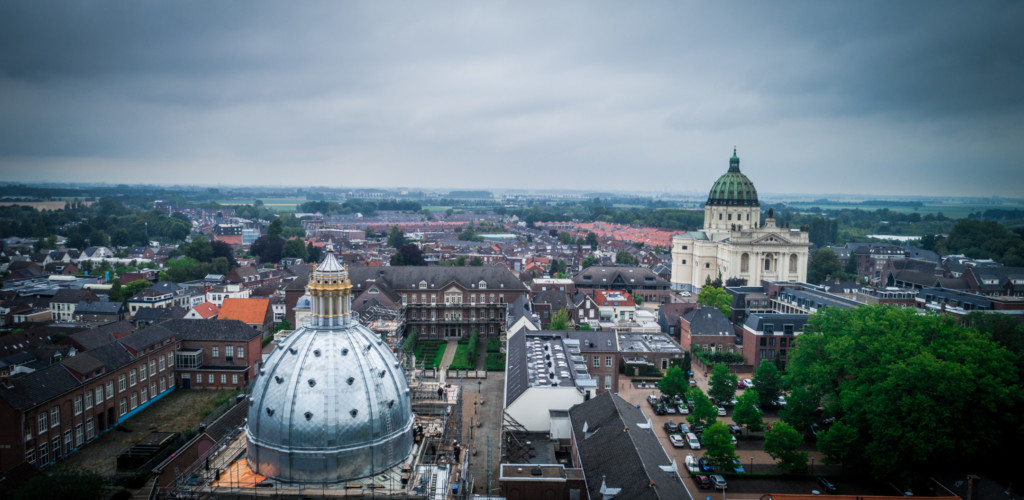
{"points": [[615, 298], [250, 311], [207, 310]]}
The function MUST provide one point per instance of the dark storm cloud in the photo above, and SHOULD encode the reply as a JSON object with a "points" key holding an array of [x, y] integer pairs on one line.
{"points": [[537, 94]]}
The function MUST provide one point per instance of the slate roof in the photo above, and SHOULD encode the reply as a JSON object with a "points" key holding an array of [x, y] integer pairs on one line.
{"points": [[558, 299], [620, 453], [405, 277], [95, 307], [155, 314], [708, 321], [516, 373], [628, 276], [757, 321], [32, 389], [519, 308], [147, 337], [225, 329], [95, 337]]}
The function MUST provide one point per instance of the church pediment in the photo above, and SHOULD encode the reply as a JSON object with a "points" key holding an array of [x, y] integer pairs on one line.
{"points": [[772, 239]]}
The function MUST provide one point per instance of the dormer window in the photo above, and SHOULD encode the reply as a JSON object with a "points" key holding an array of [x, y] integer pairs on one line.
{"points": [[482, 285], [423, 284]]}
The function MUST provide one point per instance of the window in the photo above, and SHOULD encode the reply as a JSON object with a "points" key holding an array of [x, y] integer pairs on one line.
{"points": [[152, 388], [78, 405], [223, 378], [135, 400], [55, 444], [78, 435], [88, 399], [163, 384], [607, 382], [99, 394], [162, 363], [764, 341], [771, 342], [608, 361], [215, 351], [767, 264], [684, 261], [89, 428], [234, 379], [131, 378], [41, 420], [170, 360], [597, 360], [209, 378], [123, 407], [239, 353], [68, 443], [763, 354], [664, 363], [152, 367], [43, 458], [144, 395], [120, 383], [110, 389], [433, 299], [227, 351], [707, 265], [55, 416]]}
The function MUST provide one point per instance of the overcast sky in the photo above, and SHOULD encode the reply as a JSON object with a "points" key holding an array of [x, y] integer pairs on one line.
{"points": [[885, 97]]}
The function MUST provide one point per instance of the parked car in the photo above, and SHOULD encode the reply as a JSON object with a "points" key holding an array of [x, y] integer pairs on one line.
{"points": [[735, 429], [671, 427], [683, 409], [749, 383], [659, 409], [719, 482], [741, 385], [692, 441], [733, 401], [827, 485], [703, 481], [704, 465], [676, 440], [689, 402], [670, 409], [652, 400], [691, 464], [697, 429], [683, 428], [781, 401], [693, 383], [721, 411], [737, 467]]}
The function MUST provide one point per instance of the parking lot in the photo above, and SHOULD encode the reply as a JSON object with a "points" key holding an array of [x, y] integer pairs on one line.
{"points": [[748, 448]]}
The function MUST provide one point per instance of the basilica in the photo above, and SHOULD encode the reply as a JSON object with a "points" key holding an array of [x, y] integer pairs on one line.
{"points": [[735, 242]]}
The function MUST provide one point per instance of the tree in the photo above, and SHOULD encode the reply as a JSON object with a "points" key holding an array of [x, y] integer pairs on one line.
{"points": [[65, 483], [746, 414], [560, 321], [591, 240], [851, 266], [476, 262], [824, 264], [115, 291], [718, 447], [409, 255], [396, 239], [899, 378], [801, 408], [283, 325], [410, 341], [767, 383], [713, 296], [723, 383], [588, 261], [200, 249], [625, 258], [294, 248], [564, 238], [275, 229], [673, 382], [704, 413], [781, 442], [837, 443]]}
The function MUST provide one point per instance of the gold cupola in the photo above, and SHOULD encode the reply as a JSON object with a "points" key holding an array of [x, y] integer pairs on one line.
{"points": [[331, 293]]}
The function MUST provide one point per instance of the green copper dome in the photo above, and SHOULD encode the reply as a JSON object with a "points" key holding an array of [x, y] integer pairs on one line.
{"points": [[733, 188]]}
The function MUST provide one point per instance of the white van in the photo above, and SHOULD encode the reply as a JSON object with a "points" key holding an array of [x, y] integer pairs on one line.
{"points": [[691, 439]]}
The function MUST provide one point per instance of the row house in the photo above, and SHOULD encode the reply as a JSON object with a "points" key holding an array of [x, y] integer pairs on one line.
{"points": [[708, 329], [445, 302], [217, 294], [50, 413], [64, 302], [771, 337], [163, 294], [636, 281], [215, 354]]}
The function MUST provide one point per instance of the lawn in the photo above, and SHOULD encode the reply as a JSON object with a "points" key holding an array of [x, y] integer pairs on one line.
{"points": [[430, 353], [460, 362]]}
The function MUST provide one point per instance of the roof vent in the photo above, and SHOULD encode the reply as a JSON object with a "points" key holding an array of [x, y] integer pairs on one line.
{"points": [[311, 382], [536, 471], [344, 352], [270, 412], [354, 412], [279, 379], [316, 353], [293, 350], [308, 415], [350, 380]]}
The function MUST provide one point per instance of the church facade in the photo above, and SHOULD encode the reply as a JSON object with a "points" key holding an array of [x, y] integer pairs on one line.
{"points": [[734, 242]]}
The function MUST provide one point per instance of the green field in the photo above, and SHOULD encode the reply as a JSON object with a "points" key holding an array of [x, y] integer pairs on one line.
{"points": [[950, 210], [275, 204]]}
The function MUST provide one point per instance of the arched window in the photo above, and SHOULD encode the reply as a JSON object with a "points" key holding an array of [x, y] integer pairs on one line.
{"points": [[792, 263], [745, 263], [767, 263]]}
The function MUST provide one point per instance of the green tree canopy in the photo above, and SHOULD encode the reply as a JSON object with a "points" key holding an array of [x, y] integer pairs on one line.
{"points": [[767, 383], [588, 261], [560, 321], [745, 414], [704, 413], [714, 296], [824, 264], [295, 248], [673, 382], [396, 238], [723, 383], [909, 384], [625, 258], [718, 447], [781, 442]]}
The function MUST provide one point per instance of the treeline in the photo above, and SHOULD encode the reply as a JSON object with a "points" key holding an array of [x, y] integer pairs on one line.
{"points": [[107, 222], [365, 207], [980, 239], [594, 211]]}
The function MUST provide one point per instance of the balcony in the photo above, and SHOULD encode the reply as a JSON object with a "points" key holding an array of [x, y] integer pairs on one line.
{"points": [[188, 359]]}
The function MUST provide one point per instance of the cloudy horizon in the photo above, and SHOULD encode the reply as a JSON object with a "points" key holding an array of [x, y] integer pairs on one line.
{"points": [[906, 98]]}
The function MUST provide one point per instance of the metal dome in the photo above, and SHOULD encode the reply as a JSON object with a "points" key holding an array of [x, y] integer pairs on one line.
{"points": [[733, 188], [331, 403]]}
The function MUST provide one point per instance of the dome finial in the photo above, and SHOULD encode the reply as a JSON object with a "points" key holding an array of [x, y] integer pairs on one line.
{"points": [[734, 162]]}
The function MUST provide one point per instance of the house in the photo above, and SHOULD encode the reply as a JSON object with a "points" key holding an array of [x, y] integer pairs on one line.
{"points": [[636, 281], [64, 302], [99, 313], [669, 316], [256, 313], [770, 337], [161, 295], [707, 328], [615, 305], [206, 310], [141, 253], [215, 354], [548, 302], [584, 309]]}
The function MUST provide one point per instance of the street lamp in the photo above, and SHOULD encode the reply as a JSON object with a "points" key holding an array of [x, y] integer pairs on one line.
{"points": [[751, 465]]}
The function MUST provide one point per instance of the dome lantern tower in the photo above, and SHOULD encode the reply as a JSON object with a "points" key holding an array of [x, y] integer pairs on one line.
{"points": [[732, 203]]}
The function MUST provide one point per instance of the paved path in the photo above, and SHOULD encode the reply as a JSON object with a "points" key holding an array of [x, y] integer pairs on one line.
{"points": [[449, 354], [491, 391]]}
